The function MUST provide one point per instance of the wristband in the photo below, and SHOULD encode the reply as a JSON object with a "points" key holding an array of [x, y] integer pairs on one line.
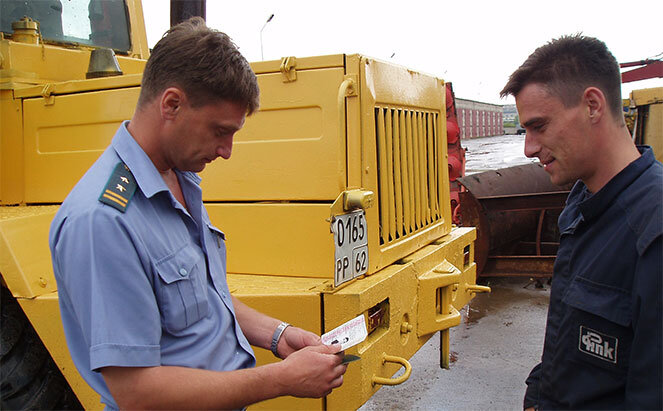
{"points": [[277, 336]]}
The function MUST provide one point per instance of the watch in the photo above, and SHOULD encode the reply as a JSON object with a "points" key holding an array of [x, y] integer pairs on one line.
{"points": [[276, 337]]}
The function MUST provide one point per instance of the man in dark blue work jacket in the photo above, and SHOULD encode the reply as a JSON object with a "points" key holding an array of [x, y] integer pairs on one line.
{"points": [[602, 347]]}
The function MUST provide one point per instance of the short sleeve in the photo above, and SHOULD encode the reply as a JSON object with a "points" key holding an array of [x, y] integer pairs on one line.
{"points": [[105, 273]]}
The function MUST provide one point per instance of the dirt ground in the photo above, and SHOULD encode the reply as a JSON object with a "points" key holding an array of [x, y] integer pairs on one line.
{"points": [[493, 350]]}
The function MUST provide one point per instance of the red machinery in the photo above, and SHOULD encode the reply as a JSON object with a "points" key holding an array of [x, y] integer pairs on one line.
{"points": [[456, 154]]}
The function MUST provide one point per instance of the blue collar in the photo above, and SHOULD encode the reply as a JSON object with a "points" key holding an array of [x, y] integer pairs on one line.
{"points": [[146, 174], [593, 205]]}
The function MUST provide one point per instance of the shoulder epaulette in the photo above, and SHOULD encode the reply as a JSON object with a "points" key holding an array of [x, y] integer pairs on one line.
{"points": [[119, 189]]}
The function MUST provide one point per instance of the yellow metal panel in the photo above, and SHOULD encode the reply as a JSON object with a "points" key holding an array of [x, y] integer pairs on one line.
{"points": [[407, 106], [396, 284], [414, 312], [405, 173], [61, 144], [391, 181], [650, 100], [25, 259], [277, 239], [290, 149], [383, 176], [39, 64], [398, 178], [432, 174], [423, 188], [303, 63], [294, 300], [78, 86], [356, 167], [416, 183], [139, 47], [447, 275], [647, 96], [44, 314], [11, 149], [654, 133]]}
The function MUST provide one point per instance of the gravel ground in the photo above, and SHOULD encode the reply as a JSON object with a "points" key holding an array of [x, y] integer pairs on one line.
{"points": [[492, 351]]}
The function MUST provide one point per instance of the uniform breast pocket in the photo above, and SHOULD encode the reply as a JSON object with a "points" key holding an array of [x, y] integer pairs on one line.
{"points": [[599, 324], [181, 291]]}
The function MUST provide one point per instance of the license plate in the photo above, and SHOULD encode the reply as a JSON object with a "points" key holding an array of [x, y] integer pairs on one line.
{"points": [[351, 246]]}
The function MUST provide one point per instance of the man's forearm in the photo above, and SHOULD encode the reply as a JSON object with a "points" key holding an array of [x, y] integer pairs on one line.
{"points": [[189, 388], [310, 372], [256, 326]]}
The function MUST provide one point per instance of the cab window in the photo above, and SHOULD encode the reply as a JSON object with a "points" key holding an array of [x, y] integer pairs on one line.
{"points": [[97, 23]]}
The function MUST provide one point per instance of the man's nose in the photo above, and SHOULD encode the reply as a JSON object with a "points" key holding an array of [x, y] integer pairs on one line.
{"points": [[532, 148], [225, 149]]}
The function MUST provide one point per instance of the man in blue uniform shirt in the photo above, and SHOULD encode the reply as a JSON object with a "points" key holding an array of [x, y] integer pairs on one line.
{"points": [[147, 313], [602, 347]]}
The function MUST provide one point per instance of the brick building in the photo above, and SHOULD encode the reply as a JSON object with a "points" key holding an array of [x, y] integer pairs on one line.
{"points": [[477, 119]]}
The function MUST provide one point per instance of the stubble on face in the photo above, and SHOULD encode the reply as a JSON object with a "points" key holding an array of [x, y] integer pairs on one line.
{"points": [[555, 133], [206, 133]]}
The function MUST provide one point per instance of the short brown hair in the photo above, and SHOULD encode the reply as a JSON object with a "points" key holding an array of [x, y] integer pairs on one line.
{"points": [[204, 63], [566, 67]]}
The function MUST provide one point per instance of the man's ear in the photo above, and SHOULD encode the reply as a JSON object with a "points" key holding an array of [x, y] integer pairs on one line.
{"points": [[170, 103], [594, 99]]}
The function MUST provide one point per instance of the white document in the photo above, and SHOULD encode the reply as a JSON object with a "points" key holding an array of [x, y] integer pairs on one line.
{"points": [[348, 335]]}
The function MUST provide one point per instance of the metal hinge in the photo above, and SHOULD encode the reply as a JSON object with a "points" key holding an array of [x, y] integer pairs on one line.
{"points": [[287, 68], [46, 93]]}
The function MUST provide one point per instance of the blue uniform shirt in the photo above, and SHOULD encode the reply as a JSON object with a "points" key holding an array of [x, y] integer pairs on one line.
{"points": [[147, 286], [603, 347]]}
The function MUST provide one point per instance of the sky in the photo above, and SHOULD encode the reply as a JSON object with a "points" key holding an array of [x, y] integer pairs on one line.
{"points": [[474, 44]]}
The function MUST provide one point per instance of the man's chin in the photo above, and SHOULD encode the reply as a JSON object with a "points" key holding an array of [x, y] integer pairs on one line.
{"points": [[197, 168], [561, 180]]}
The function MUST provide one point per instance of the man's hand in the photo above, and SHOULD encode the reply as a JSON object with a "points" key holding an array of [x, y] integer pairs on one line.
{"points": [[294, 339], [312, 371]]}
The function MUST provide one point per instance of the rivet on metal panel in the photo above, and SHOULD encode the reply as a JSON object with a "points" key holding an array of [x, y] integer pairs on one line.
{"points": [[287, 68], [42, 282]]}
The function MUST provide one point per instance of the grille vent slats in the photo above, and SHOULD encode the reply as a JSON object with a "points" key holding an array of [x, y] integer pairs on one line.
{"points": [[409, 171]]}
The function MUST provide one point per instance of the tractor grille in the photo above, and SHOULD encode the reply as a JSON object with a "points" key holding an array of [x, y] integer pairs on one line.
{"points": [[409, 181]]}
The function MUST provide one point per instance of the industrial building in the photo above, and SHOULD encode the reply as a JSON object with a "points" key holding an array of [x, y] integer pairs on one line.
{"points": [[477, 119]]}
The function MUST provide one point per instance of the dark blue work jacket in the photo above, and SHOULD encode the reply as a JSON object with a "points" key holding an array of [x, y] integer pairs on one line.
{"points": [[602, 346]]}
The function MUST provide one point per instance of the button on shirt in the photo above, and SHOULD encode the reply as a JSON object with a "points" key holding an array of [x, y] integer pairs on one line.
{"points": [[147, 286]]}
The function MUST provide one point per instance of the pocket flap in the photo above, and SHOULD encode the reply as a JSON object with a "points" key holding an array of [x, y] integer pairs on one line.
{"points": [[178, 265], [608, 302]]}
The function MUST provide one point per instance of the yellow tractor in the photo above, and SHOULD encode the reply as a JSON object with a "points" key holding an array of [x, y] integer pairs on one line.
{"points": [[335, 203]]}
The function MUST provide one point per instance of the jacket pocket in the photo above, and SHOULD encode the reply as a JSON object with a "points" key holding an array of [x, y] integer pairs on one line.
{"points": [[600, 323], [181, 293]]}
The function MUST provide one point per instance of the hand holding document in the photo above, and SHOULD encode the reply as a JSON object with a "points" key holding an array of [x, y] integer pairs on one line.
{"points": [[347, 335]]}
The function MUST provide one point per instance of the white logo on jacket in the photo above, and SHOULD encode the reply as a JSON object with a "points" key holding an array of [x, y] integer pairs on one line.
{"points": [[598, 344]]}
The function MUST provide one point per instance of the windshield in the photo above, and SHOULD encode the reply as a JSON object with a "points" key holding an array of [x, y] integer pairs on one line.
{"points": [[100, 23]]}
